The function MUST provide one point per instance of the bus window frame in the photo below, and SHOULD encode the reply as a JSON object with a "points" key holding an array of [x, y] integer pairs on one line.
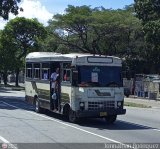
{"points": [[29, 68], [66, 69], [27, 74], [34, 71]]}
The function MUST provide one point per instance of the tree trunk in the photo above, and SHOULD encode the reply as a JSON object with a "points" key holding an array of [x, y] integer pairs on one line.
{"points": [[5, 78], [17, 76]]}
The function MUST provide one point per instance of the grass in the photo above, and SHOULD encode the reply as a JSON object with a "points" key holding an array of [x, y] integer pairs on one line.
{"points": [[132, 104]]}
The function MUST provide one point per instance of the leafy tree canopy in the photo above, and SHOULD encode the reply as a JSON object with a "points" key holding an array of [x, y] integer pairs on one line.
{"points": [[149, 12], [9, 6], [100, 31], [23, 34], [19, 37]]}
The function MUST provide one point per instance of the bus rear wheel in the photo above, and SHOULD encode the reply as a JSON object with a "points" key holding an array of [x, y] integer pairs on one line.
{"points": [[72, 116], [110, 119]]}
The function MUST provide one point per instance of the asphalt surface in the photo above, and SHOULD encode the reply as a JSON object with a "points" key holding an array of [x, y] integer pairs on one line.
{"points": [[21, 127]]}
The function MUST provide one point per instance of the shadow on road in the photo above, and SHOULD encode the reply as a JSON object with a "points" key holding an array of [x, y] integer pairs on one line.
{"points": [[13, 103], [101, 123], [90, 122], [118, 125]]}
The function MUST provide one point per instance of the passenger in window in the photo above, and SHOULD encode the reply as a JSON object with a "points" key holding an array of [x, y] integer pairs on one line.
{"points": [[65, 77], [45, 76]]}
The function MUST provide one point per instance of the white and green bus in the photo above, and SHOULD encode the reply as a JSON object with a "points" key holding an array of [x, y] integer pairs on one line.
{"points": [[89, 86]]}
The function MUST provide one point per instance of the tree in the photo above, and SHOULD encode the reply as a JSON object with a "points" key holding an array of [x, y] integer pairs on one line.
{"points": [[71, 29], [100, 31], [49, 44], [6, 60], [149, 12], [19, 37], [9, 6]]}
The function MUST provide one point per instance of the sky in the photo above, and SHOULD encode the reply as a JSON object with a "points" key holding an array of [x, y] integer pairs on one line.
{"points": [[44, 10]]}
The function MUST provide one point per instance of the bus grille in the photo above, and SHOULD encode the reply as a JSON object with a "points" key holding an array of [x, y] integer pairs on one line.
{"points": [[102, 105]]}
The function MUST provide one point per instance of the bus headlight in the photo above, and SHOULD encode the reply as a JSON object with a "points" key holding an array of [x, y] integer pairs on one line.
{"points": [[119, 104], [82, 105]]}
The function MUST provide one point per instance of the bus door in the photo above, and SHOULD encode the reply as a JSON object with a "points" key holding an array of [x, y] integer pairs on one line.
{"points": [[55, 86]]}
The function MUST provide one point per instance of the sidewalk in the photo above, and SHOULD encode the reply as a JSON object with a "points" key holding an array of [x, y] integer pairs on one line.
{"points": [[144, 101], [11, 86]]}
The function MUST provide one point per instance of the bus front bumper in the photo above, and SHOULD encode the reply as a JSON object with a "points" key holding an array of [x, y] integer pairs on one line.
{"points": [[100, 113]]}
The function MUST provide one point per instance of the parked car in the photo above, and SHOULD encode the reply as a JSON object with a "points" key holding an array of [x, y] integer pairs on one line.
{"points": [[127, 92]]}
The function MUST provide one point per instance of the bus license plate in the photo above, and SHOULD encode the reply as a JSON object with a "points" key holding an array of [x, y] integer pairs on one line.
{"points": [[103, 113]]}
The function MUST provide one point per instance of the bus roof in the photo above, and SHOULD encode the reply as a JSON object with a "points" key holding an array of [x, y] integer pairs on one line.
{"points": [[35, 55], [79, 57]]}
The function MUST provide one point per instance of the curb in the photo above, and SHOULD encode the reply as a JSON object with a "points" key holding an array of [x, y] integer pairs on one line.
{"points": [[13, 89]]}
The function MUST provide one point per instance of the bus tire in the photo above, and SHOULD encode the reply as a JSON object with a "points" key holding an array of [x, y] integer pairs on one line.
{"points": [[34, 99], [72, 116], [38, 109], [66, 109], [110, 119]]}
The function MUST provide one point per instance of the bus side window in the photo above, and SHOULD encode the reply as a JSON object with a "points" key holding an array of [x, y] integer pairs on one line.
{"points": [[45, 74], [66, 72], [29, 70], [45, 70], [29, 73], [36, 71]]}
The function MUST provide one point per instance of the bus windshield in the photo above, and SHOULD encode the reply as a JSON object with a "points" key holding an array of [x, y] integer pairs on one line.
{"points": [[99, 76]]}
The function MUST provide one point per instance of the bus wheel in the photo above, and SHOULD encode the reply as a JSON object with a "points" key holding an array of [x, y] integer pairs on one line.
{"points": [[72, 116], [110, 119], [38, 108]]}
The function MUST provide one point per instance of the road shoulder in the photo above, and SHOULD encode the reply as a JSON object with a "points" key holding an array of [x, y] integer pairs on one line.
{"points": [[143, 103]]}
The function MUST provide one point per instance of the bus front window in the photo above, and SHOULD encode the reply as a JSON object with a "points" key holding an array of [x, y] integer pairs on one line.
{"points": [[99, 76]]}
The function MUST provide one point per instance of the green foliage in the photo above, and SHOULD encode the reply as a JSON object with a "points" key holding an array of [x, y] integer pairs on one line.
{"points": [[5, 57], [149, 12], [19, 37], [71, 28], [101, 31], [152, 32], [132, 33], [116, 29], [98, 30], [9, 6], [23, 34], [49, 44]]}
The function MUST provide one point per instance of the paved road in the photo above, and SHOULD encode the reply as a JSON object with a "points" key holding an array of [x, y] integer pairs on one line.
{"points": [[20, 124]]}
